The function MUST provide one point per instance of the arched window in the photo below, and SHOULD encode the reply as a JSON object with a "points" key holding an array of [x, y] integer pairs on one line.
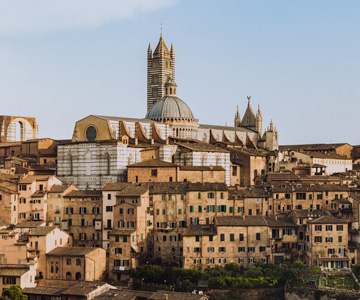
{"points": [[78, 276], [68, 276]]}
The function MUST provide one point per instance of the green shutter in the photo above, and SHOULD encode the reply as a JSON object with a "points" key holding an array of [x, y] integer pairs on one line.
{"points": [[219, 208], [200, 208], [225, 208], [208, 208], [191, 208], [231, 209]]}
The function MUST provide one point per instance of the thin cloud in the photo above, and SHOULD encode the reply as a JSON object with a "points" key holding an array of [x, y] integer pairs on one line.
{"points": [[42, 16]]}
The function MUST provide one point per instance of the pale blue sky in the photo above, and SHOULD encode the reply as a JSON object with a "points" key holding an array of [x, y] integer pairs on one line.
{"points": [[63, 60]]}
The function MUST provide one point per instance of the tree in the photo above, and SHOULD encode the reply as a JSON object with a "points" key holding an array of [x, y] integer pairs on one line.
{"points": [[13, 293]]}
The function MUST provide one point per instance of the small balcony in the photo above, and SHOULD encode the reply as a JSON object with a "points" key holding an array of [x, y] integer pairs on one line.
{"points": [[280, 250], [57, 212]]}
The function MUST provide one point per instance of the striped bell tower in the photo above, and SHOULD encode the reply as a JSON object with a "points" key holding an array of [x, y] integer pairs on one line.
{"points": [[160, 66]]}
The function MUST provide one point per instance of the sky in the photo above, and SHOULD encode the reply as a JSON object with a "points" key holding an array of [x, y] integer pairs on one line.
{"points": [[63, 60]]}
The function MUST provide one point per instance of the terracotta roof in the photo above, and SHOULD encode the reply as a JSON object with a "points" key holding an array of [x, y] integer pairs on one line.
{"points": [[84, 193], [301, 187], [202, 168], [201, 147], [168, 187], [284, 176], [59, 188], [207, 186], [304, 213], [241, 221], [30, 224], [280, 222], [249, 192], [41, 230], [312, 146], [71, 251], [32, 178], [38, 194], [200, 230], [122, 231], [160, 295], [133, 190], [226, 128], [153, 163], [328, 220], [16, 271]]}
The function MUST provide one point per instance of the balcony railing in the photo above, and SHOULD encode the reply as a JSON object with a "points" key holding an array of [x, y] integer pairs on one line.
{"points": [[280, 250], [118, 268]]}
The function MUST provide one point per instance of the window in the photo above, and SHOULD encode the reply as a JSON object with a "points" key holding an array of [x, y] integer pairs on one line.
{"points": [[211, 208], [329, 228], [109, 208], [78, 262], [234, 170], [154, 173], [339, 227], [199, 195], [340, 239], [68, 261], [197, 238], [135, 200], [118, 250], [258, 236], [318, 239], [251, 260], [130, 211], [222, 237], [262, 249], [310, 196], [211, 249], [231, 209], [222, 208], [222, 260], [69, 210], [287, 196], [211, 195], [222, 249], [109, 196], [319, 196], [232, 237], [241, 237], [318, 227], [197, 249], [241, 209], [211, 238], [96, 210], [329, 240], [200, 208], [241, 249], [22, 200], [191, 208], [300, 196], [241, 260], [251, 249]]}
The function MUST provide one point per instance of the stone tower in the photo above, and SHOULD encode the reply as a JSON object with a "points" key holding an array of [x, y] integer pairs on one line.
{"points": [[237, 119], [259, 121], [160, 65]]}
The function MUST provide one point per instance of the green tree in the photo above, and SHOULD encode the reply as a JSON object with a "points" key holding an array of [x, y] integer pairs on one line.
{"points": [[13, 293], [185, 286]]}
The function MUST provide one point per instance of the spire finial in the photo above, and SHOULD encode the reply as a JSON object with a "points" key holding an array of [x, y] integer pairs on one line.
{"points": [[248, 97], [161, 30]]}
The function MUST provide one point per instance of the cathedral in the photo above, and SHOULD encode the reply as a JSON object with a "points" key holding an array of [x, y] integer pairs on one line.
{"points": [[102, 146]]}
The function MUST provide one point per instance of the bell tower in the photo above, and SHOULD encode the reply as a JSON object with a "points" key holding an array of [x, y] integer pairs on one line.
{"points": [[160, 66]]}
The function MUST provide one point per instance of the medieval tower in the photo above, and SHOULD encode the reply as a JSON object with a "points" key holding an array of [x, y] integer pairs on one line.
{"points": [[160, 66]]}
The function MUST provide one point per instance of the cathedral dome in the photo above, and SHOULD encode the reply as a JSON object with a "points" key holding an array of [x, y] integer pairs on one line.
{"points": [[170, 107]]}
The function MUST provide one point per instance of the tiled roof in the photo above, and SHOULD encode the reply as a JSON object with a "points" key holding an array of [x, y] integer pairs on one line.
{"points": [[168, 187], [41, 230], [226, 128], [201, 147], [241, 221], [59, 188], [207, 186], [153, 163], [122, 231], [160, 295], [310, 188], [328, 220], [312, 146], [249, 192], [285, 176], [304, 213], [30, 224], [71, 251], [280, 222], [200, 230], [38, 194], [84, 193], [133, 190], [8, 271], [202, 168], [32, 178]]}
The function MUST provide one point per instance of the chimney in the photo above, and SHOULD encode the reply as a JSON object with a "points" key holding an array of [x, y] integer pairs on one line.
{"points": [[136, 141], [152, 141]]}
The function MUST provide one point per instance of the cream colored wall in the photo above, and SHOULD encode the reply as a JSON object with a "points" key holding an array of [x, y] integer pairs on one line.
{"points": [[144, 174]]}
